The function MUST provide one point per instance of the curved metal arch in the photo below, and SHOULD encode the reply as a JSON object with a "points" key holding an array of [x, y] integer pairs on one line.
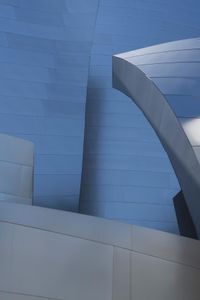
{"points": [[164, 81]]}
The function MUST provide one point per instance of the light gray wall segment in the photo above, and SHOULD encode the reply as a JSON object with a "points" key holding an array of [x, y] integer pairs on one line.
{"points": [[166, 246], [69, 264], [14, 296], [16, 170], [88, 227], [121, 274], [57, 267], [147, 86], [44, 56], [118, 137], [157, 279], [126, 236]]}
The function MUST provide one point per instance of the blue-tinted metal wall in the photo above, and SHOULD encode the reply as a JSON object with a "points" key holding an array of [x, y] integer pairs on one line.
{"points": [[44, 55], [126, 174]]}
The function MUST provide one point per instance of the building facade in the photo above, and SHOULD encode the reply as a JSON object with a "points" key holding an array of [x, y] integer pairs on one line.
{"points": [[55, 56]]}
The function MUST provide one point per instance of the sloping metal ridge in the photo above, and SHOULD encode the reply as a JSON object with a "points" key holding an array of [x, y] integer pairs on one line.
{"points": [[164, 81]]}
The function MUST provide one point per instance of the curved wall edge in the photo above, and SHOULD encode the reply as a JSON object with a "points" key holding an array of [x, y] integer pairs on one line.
{"points": [[44, 57], [59, 255], [127, 175], [150, 81]]}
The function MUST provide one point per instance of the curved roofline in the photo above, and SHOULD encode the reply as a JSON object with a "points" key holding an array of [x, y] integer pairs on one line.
{"points": [[130, 80]]}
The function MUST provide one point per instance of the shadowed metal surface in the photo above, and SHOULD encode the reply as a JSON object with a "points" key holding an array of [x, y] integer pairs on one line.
{"points": [[163, 81], [184, 219], [16, 170]]}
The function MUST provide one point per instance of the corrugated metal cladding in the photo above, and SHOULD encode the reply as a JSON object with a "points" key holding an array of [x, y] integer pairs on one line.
{"points": [[45, 48], [44, 55], [126, 174]]}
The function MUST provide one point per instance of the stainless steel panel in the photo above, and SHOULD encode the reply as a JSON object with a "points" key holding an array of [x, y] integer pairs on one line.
{"points": [[59, 267], [154, 278], [121, 274], [166, 246], [178, 135], [16, 170]]}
